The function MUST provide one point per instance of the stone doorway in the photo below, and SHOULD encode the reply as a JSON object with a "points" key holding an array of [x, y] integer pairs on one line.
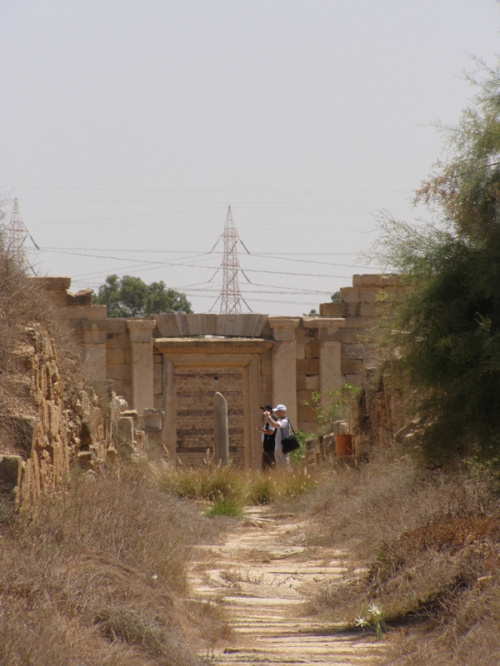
{"points": [[194, 370], [194, 397]]}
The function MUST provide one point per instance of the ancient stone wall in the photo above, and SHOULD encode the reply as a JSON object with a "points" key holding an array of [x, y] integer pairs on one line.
{"points": [[167, 364]]}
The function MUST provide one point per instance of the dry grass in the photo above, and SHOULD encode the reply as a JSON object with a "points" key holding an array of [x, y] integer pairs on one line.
{"points": [[98, 576], [226, 485], [431, 545]]}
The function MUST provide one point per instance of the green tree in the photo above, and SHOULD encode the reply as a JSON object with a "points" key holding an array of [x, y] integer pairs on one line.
{"points": [[449, 323], [131, 297]]}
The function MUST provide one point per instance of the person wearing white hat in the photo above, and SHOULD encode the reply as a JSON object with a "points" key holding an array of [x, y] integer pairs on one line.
{"points": [[282, 425]]}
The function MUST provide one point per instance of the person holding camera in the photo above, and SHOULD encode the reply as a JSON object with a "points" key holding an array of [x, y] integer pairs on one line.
{"points": [[268, 437], [282, 429]]}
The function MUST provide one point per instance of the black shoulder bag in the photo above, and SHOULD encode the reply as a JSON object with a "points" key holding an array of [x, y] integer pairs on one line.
{"points": [[290, 443]]}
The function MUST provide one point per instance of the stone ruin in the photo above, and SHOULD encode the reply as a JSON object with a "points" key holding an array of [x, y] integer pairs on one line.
{"points": [[169, 367], [150, 383]]}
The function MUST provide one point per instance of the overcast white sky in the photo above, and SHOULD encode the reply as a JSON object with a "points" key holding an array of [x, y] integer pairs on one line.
{"points": [[129, 126]]}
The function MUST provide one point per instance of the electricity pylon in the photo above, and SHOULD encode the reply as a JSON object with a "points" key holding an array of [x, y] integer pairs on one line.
{"points": [[230, 296], [16, 234]]}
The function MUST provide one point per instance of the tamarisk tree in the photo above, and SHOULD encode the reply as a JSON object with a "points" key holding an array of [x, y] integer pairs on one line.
{"points": [[448, 327]]}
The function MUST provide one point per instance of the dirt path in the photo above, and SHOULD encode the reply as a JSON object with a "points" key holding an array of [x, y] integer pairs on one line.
{"points": [[261, 571]]}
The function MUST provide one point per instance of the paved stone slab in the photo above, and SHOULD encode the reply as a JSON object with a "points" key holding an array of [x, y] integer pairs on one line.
{"points": [[261, 577]]}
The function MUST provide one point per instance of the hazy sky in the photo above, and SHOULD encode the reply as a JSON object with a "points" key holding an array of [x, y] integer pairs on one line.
{"points": [[129, 127]]}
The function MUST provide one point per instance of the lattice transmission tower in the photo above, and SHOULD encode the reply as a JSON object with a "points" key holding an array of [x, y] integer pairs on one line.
{"points": [[230, 296], [16, 233]]}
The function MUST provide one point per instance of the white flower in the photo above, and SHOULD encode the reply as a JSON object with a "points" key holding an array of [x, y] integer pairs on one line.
{"points": [[375, 610], [361, 622]]}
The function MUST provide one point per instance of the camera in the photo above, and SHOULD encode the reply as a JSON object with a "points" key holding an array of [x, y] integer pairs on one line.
{"points": [[267, 408]]}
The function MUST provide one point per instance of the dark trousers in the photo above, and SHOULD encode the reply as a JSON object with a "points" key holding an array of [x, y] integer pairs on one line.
{"points": [[268, 460]]}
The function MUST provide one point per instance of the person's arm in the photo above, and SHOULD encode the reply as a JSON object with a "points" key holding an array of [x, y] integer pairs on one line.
{"points": [[272, 421]]}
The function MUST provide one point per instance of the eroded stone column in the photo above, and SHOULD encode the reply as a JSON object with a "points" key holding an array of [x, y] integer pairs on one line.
{"points": [[141, 343], [285, 364]]}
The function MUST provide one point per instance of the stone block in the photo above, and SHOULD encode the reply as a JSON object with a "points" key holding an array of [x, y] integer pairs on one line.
{"points": [[116, 356], [370, 294], [352, 310], [361, 322], [376, 280], [266, 368], [349, 336], [355, 380], [312, 350], [350, 295], [158, 386], [85, 312], [301, 382], [119, 372], [300, 350], [358, 351], [308, 367], [332, 309], [312, 383], [303, 413], [372, 309], [351, 366], [117, 341]]}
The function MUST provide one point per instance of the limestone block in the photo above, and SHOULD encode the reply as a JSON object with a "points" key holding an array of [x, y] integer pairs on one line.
{"points": [[158, 386], [116, 356], [117, 341], [55, 283], [312, 383], [349, 335], [350, 295], [303, 396], [308, 367], [356, 380], [358, 351], [332, 323], [82, 312], [115, 326], [312, 350], [140, 330], [376, 280], [372, 309], [352, 366], [300, 350], [153, 418], [361, 322], [119, 373], [352, 310], [266, 368], [303, 413], [283, 327], [126, 436], [370, 294], [332, 309]]}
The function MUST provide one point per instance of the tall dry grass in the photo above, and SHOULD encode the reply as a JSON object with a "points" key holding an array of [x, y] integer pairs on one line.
{"points": [[98, 576], [429, 542]]}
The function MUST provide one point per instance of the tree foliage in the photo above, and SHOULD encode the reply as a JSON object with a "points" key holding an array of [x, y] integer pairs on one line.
{"points": [[449, 324], [131, 297]]}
